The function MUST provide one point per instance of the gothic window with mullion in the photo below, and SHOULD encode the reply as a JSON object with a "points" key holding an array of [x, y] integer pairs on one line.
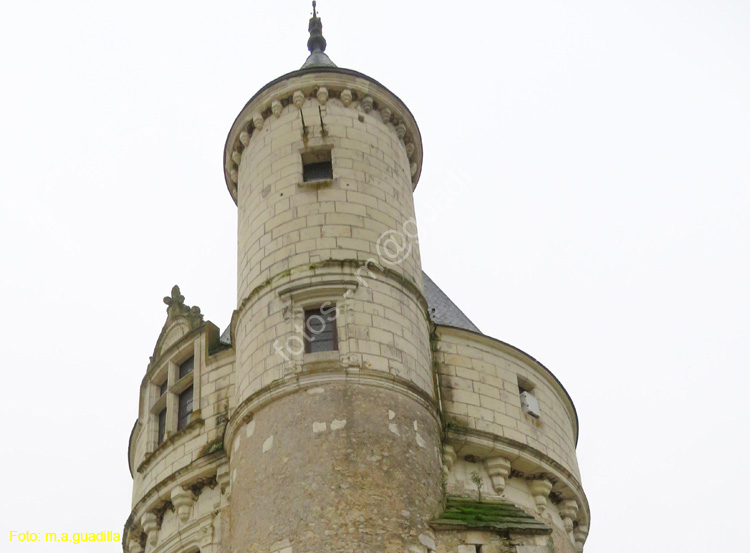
{"points": [[173, 407]]}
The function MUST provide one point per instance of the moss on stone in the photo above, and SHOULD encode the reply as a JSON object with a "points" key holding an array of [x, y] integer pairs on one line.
{"points": [[502, 516], [212, 447]]}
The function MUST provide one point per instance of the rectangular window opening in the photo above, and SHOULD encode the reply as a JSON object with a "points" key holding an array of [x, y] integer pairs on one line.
{"points": [[317, 165], [320, 330], [187, 366], [162, 426], [529, 401], [524, 385], [185, 408], [163, 388]]}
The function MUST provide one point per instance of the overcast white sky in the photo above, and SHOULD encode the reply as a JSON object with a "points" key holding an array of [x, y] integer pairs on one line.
{"points": [[584, 197]]}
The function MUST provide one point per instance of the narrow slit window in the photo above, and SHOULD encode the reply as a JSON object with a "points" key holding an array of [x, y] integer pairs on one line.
{"points": [[187, 366], [163, 388], [317, 165], [320, 330], [185, 408]]}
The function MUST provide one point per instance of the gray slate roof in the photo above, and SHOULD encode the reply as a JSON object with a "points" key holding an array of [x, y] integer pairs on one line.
{"points": [[318, 59], [442, 310], [226, 337]]}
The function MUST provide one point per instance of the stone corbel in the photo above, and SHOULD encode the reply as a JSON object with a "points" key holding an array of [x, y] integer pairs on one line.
{"points": [[183, 501], [134, 546], [539, 490], [222, 477], [499, 470], [568, 512], [580, 533], [449, 458], [366, 104], [298, 98], [150, 525]]}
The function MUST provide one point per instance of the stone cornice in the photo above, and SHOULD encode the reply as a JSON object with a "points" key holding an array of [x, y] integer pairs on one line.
{"points": [[351, 268], [165, 446], [525, 460], [323, 376], [347, 88], [160, 494]]}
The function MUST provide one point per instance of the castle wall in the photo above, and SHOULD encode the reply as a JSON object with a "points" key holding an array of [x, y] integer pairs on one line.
{"points": [[493, 445], [283, 225], [480, 390], [359, 447], [337, 467], [178, 485], [213, 398], [291, 232]]}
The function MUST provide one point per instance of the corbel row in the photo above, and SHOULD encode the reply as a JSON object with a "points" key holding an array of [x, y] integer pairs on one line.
{"points": [[181, 501], [348, 98], [540, 487]]}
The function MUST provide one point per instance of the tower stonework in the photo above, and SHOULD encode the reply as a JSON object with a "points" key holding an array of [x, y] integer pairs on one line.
{"points": [[350, 405]]}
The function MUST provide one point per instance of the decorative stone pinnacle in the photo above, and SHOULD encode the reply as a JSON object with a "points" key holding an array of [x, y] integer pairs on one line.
{"points": [[176, 307], [175, 299], [316, 42]]}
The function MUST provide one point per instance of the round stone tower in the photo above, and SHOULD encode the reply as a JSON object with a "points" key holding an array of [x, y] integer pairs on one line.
{"points": [[334, 443], [350, 405]]}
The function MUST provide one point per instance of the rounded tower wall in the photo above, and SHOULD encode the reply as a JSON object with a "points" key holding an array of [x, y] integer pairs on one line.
{"points": [[343, 442], [381, 327], [481, 383], [336, 466], [509, 421], [358, 225], [284, 222]]}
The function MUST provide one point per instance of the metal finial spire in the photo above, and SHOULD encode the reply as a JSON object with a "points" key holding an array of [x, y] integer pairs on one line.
{"points": [[316, 43]]}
